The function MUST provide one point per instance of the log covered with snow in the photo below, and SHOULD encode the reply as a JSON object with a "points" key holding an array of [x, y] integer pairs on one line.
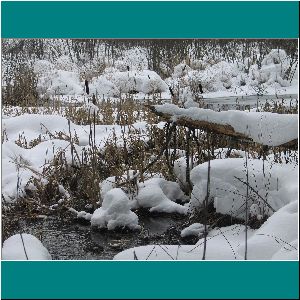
{"points": [[265, 128]]}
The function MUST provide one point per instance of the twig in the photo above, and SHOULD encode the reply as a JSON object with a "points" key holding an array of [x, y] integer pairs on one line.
{"points": [[252, 189], [24, 246]]}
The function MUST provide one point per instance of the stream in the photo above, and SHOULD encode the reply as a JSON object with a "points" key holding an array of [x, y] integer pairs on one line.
{"points": [[67, 239]]}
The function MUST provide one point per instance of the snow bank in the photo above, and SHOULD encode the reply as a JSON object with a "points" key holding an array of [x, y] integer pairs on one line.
{"points": [[222, 244], [262, 127], [115, 212], [44, 127], [277, 238], [160, 195], [276, 184], [20, 164], [13, 248]]}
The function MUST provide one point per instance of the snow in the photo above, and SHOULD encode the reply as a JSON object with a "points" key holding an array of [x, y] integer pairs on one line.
{"points": [[262, 127], [276, 184], [160, 195], [277, 238], [180, 171], [19, 163], [115, 212], [144, 81], [194, 229], [13, 248], [222, 78], [157, 194], [222, 244]]}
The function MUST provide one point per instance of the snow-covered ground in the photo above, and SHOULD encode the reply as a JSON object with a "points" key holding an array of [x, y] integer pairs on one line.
{"points": [[241, 186]]}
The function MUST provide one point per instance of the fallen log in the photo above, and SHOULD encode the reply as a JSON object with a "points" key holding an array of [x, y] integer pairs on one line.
{"points": [[224, 129]]}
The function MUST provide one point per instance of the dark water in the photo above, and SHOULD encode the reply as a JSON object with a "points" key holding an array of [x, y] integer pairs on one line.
{"points": [[70, 240], [242, 102]]}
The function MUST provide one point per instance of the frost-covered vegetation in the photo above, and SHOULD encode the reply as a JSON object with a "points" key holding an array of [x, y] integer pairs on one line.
{"points": [[117, 133]]}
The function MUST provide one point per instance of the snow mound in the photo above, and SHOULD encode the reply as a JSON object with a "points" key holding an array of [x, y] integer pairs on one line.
{"points": [[277, 238], [13, 248], [115, 212], [194, 229], [159, 195], [266, 128], [273, 185]]}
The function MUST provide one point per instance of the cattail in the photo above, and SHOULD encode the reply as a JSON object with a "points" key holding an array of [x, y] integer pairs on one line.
{"points": [[200, 88], [171, 91], [87, 90]]}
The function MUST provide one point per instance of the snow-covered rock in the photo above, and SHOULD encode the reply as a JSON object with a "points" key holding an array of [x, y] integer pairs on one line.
{"points": [[115, 212], [194, 229], [24, 247], [160, 195]]}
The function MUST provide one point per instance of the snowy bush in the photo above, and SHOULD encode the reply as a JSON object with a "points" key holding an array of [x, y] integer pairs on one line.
{"points": [[181, 70], [102, 86], [113, 82]]}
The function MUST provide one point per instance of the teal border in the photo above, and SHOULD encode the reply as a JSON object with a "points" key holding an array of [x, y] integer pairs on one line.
{"points": [[163, 19], [152, 280], [103, 279]]}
